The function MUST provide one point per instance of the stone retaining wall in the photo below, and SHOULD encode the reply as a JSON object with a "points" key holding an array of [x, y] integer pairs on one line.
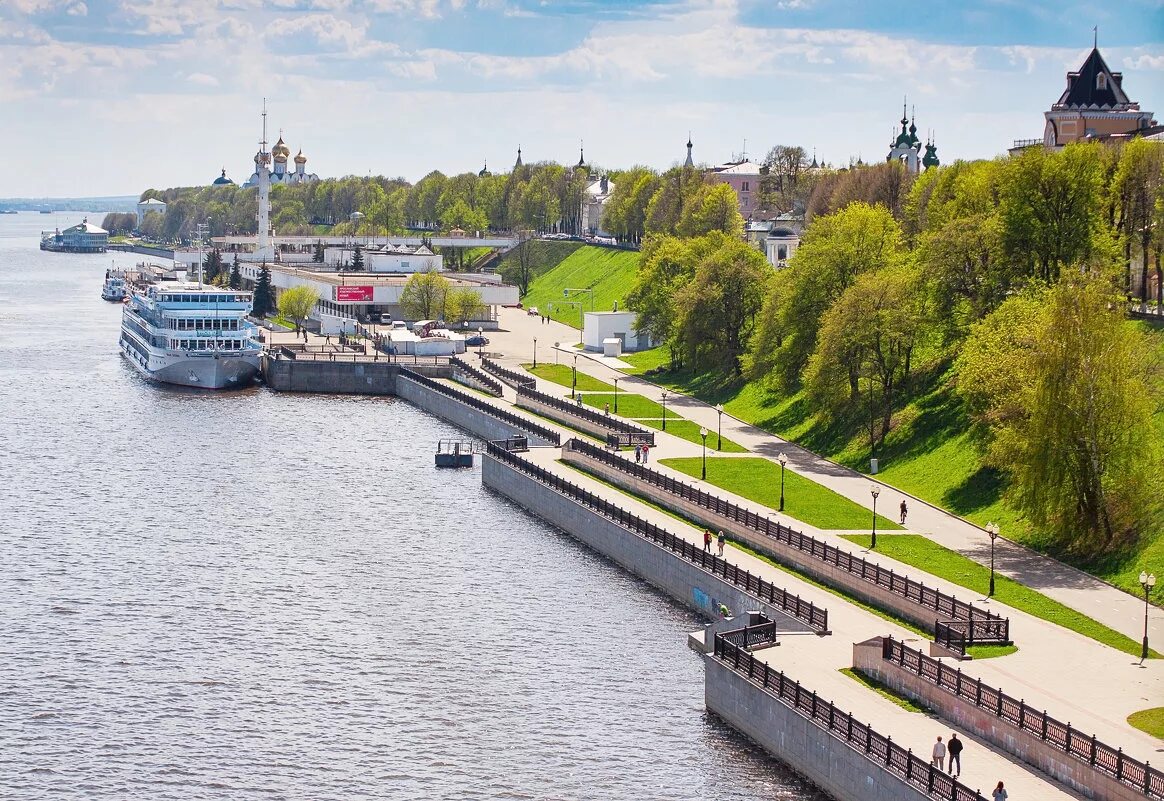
{"points": [[553, 413], [475, 421]]}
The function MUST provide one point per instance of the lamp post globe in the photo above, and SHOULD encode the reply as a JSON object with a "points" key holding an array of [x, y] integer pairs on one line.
{"points": [[1147, 581], [783, 459], [664, 397], [874, 490], [719, 426], [616, 396], [992, 530], [703, 433]]}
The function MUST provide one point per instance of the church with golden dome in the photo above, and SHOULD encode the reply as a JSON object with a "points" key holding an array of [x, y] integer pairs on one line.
{"points": [[280, 175]]}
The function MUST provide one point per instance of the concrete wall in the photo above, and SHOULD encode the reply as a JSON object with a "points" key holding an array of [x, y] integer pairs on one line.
{"points": [[546, 410], [964, 715], [832, 765], [831, 575], [303, 375], [460, 414], [682, 580]]}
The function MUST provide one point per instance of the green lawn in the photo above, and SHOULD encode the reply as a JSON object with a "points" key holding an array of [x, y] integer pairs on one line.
{"points": [[609, 273], [561, 374], [689, 430], [1149, 720], [916, 550], [759, 480], [629, 405], [884, 691], [647, 359], [544, 255]]}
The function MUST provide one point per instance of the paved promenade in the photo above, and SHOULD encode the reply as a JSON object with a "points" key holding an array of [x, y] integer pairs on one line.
{"points": [[1097, 599]]}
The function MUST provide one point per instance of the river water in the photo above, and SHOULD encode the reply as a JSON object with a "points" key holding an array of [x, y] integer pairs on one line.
{"points": [[261, 596]]}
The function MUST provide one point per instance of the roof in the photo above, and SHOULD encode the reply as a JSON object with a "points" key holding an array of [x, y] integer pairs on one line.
{"points": [[1083, 87], [153, 201], [87, 228], [737, 168]]}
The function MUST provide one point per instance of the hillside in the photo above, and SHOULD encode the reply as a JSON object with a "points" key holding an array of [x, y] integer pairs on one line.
{"points": [[545, 254], [610, 273], [930, 453]]}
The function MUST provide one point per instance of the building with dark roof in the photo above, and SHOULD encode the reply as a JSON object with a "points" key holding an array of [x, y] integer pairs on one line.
{"points": [[222, 180], [1094, 105]]}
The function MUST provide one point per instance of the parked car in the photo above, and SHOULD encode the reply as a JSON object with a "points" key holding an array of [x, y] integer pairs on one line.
{"points": [[533, 311], [477, 341]]}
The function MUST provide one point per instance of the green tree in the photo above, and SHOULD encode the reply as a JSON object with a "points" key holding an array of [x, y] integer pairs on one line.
{"points": [[967, 273], [1050, 207], [297, 303], [357, 259], [715, 208], [235, 275], [317, 254], [1064, 386], [263, 302], [424, 296], [464, 303], [1138, 188], [666, 265]]}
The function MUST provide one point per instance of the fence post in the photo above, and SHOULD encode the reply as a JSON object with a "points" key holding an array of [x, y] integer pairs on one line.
{"points": [[909, 765], [1092, 760], [978, 694], [1043, 734], [888, 748], [1147, 777], [1119, 764]]}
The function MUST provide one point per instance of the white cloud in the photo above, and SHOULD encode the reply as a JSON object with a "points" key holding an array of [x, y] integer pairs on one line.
{"points": [[202, 79]]}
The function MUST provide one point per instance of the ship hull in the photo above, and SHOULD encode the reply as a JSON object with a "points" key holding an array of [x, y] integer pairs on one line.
{"points": [[203, 371]]}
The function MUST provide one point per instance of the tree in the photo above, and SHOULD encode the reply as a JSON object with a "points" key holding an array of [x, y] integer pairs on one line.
{"points": [[235, 275], [464, 303], [665, 266], [1138, 188], [264, 299], [317, 255], [118, 223], [357, 259], [524, 273], [1062, 384], [297, 303], [424, 296], [716, 310], [211, 266], [966, 271], [865, 346], [715, 208]]}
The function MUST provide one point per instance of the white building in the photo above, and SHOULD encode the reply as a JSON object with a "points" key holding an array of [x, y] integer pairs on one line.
{"points": [[279, 174], [594, 198], [147, 206], [403, 259], [620, 325]]}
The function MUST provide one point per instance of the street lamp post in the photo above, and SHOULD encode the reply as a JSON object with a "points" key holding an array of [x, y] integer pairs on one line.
{"points": [[719, 430], [480, 342], [535, 353], [616, 396], [874, 490], [556, 346], [783, 458], [703, 433], [1147, 581], [664, 396], [992, 530], [574, 378]]}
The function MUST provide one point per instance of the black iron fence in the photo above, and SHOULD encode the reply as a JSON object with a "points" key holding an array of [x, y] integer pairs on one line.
{"points": [[491, 384], [878, 748], [912, 590], [510, 377], [1071, 741], [514, 420], [591, 416], [751, 638], [794, 605]]}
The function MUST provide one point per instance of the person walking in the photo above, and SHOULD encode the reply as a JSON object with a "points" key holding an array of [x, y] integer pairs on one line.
{"points": [[999, 793], [720, 541], [707, 540], [638, 453], [939, 754], [646, 450], [606, 409], [955, 749], [904, 512]]}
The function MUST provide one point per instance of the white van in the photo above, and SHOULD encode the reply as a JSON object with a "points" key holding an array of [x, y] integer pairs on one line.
{"points": [[385, 319], [399, 325]]}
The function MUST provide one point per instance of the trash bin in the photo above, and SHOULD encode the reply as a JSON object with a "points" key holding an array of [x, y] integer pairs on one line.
{"points": [[872, 467]]}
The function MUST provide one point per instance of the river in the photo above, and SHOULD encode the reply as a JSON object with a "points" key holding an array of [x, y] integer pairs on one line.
{"points": [[258, 596]]}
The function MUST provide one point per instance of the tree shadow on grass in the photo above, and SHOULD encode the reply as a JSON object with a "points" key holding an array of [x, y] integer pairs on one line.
{"points": [[981, 489]]}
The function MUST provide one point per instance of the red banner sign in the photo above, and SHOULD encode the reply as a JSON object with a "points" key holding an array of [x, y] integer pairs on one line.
{"points": [[353, 294]]}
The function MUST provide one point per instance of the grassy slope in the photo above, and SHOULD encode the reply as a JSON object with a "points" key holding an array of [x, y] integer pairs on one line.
{"points": [[544, 255], [610, 273], [930, 453], [759, 480]]}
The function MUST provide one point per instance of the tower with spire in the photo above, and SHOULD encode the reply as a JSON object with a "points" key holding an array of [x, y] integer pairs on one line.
{"points": [[517, 163], [689, 162], [906, 147], [263, 175]]}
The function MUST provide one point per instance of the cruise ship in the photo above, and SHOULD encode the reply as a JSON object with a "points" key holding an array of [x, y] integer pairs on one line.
{"points": [[191, 334]]}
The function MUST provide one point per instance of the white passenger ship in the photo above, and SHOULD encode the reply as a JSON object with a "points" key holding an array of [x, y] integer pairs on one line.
{"points": [[191, 334]]}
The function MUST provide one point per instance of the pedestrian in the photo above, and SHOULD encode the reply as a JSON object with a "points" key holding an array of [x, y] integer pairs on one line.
{"points": [[646, 451], [606, 409], [904, 512], [707, 540], [955, 749], [720, 541], [638, 453], [939, 754], [999, 793]]}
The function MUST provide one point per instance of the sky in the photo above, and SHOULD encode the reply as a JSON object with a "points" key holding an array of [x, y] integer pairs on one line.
{"points": [[110, 97]]}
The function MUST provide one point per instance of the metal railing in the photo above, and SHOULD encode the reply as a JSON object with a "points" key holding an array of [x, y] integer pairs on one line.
{"points": [[751, 638], [581, 412], [494, 388], [1071, 741], [815, 617], [877, 748], [510, 377], [504, 415], [910, 589]]}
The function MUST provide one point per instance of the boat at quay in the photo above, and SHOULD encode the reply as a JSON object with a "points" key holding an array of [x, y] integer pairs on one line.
{"points": [[191, 335], [114, 289]]}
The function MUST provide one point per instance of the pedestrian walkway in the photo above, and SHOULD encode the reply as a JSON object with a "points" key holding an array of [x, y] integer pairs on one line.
{"points": [[1074, 588]]}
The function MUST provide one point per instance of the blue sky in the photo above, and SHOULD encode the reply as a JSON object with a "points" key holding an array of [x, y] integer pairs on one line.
{"points": [[115, 96]]}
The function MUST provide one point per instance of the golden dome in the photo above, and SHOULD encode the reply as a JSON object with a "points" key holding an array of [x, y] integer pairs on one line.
{"points": [[301, 159], [280, 151]]}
